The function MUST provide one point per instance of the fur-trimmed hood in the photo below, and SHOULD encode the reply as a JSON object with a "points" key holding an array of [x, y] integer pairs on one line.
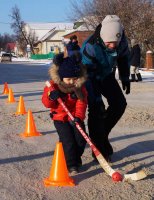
{"points": [[53, 72]]}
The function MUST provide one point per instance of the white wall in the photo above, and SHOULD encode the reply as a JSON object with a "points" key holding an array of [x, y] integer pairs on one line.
{"points": [[46, 46], [54, 40]]}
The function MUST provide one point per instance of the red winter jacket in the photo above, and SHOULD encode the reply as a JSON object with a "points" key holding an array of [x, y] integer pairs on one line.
{"points": [[76, 106]]}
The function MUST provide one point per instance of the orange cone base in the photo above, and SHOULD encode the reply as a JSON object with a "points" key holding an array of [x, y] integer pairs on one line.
{"points": [[20, 113], [6, 89], [10, 102], [48, 182], [30, 134], [5, 92]]}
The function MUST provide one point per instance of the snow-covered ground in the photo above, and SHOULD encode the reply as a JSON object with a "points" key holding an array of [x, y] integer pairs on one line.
{"points": [[28, 60], [147, 75], [26, 162]]}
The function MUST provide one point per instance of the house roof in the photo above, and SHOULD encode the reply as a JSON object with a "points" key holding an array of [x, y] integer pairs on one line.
{"points": [[44, 30], [88, 20], [49, 26], [82, 27], [56, 31], [10, 45], [53, 35], [47, 34]]}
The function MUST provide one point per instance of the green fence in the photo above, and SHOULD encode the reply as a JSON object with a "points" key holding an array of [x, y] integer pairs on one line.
{"points": [[42, 56]]}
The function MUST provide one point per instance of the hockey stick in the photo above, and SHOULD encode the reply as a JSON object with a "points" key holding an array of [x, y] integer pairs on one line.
{"points": [[116, 176]]}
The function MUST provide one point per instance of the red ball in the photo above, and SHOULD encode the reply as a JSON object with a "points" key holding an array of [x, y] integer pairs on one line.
{"points": [[116, 177]]}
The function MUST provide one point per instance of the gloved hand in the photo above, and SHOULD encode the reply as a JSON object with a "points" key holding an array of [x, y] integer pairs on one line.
{"points": [[54, 95], [76, 119], [126, 86]]}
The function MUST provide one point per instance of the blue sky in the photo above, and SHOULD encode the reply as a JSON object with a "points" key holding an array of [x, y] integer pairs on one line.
{"points": [[34, 11]]}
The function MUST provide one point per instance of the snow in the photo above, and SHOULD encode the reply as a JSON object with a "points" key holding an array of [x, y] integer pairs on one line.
{"points": [[26, 162], [147, 75], [32, 61]]}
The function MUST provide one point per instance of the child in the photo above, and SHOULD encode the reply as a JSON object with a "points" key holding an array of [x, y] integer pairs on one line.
{"points": [[68, 79]]}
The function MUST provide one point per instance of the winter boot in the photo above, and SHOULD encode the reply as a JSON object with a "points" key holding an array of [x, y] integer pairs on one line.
{"points": [[139, 77], [133, 78]]}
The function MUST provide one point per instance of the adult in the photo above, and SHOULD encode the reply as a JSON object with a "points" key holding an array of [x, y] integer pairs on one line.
{"points": [[101, 52]]}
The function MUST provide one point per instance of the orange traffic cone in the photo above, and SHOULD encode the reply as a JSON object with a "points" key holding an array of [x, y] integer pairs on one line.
{"points": [[6, 89], [10, 97], [21, 107], [59, 173], [30, 129]]}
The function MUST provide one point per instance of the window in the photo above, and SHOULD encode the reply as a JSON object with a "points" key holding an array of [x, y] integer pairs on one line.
{"points": [[51, 48]]}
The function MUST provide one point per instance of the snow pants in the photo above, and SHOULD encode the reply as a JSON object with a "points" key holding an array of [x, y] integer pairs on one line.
{"points": [[72, 141], [101, 120]]}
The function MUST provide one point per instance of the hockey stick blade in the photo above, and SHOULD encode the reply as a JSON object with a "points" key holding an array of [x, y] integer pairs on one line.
{"points": [[135, 176], [108, 169]]}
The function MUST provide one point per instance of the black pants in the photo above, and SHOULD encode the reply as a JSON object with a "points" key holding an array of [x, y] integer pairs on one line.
{"points": [[101, 120], [72, 141]]}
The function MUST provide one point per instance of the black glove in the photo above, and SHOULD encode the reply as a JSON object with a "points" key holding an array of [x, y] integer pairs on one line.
{"points": [[54, 95], [126, 86], [76, 119]]}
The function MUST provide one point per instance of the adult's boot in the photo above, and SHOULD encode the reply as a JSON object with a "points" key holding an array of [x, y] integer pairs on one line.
{"points": [[132, 78], [139, 77]]}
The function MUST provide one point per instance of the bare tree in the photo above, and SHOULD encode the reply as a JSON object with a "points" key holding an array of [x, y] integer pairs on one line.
{"points": [[18, 25], [137, 16]]}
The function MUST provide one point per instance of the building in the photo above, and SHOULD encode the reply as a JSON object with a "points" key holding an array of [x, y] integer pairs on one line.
{"points": [[82, 30], [48, 36], [11, 47]]}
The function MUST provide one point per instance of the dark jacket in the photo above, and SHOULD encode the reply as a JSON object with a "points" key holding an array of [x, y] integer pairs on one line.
{"points": [[135, 56], [97, 56], [72, 47]]}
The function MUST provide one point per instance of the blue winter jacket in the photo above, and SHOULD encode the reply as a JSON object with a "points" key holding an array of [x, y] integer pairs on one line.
{"points": [[100, 60], [72, 47]]}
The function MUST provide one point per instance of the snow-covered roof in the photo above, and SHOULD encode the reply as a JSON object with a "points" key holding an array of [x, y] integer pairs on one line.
{"points": [[87, 19], [82, 27], [47, 34], [43, 29], [53, 35], [49, 26]]}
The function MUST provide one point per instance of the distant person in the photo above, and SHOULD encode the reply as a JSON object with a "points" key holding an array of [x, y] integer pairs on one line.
{"points": [[72, 47], [68, 79], [135, 61], [65, 42]]}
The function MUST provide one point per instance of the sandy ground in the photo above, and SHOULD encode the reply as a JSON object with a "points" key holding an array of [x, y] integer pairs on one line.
{"points": [[26, 162]]}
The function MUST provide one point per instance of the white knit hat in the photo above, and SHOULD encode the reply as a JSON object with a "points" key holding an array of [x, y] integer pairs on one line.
{"points": [[111, 30]]}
